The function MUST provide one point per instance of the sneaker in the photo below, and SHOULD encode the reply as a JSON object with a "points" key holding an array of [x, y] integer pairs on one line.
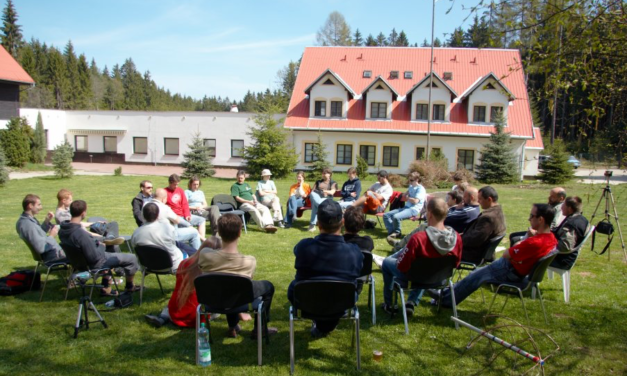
{"points": [[393, 239], [388, 308], [288, 225], [214, 316], [113, 241], [312, 228], [281, 224], [378, 260], [435, 294], [271, 332], [409, 308], [155, 321], [234, 332], [270, 229], [316, 333]]}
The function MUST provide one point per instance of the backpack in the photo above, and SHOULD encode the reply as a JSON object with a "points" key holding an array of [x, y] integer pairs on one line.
{"points": [[604, 227], [19, 282]]}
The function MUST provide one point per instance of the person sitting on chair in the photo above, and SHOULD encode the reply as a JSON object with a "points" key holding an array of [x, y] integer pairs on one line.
{"points": [[460, 216], [354, 222], [177, 201], [569, 233], [557, 196], [375, 200], [198, 203], [73, 235], [436, 241], [351, 189], [267, 195], [323, 189], [243, 194], [39, 237], [414, 200], [299, 195], [327, 256], [144, 196], [227, 259], [516, 263], [166, 215]]}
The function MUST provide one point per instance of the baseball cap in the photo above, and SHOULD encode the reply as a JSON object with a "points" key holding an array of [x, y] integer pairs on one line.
{"points": [[329, 212]]}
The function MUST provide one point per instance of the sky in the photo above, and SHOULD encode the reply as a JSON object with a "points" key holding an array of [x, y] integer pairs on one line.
{"points": [[199, 48]]}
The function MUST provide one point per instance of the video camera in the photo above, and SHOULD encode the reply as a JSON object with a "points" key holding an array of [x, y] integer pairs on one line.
{"points": [[608, 173]]}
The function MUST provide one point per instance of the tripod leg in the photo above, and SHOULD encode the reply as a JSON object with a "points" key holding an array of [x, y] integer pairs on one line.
{"points": [[620, 232], [85, 311], [91, 304], [78, 319]]}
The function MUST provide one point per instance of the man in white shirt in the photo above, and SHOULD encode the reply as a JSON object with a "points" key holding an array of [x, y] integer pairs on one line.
{"points": [[375, 200], [166, 215], [157, 234]]}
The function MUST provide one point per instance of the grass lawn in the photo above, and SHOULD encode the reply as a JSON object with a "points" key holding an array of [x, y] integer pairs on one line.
{"points": [[591, 330]]}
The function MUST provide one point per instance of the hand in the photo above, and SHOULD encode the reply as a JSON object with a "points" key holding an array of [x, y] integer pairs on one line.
{"points": [[531, 232], [54, 231], [49, 216], [188, 218], [353, 194]]}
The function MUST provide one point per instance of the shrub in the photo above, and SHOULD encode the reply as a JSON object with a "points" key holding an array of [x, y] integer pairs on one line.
{"points": [[497, 160], [197, 160], [4, 174], [431, 172], [469, 176], [396, 180], [362, 167], [320, 155], [15, 141], [556, 170], [62, 160], [38, 148], [117, 171]]}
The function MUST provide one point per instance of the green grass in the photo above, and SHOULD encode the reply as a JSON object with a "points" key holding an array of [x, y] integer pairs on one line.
{"points": [[30, 167], [591, 331]]}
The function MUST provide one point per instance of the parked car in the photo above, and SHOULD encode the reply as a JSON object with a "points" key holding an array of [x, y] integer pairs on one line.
{"points": [[574, 161]]}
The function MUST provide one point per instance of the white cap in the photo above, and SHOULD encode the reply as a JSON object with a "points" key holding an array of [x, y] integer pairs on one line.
{"points": [[266, 172]]}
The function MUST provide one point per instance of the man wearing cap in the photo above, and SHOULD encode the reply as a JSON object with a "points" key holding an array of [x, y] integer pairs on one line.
{"points": [[267, 195], [327, 256], [247, 201]]}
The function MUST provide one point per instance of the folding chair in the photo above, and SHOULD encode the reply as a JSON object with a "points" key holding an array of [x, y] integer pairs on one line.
{"points": [[228, 293], [153, 260], [427, 273], [51, 266], [565, 273], [489, 250], [324, 299], [367, 278], [379, 215], [79, 264], [227, 204]]}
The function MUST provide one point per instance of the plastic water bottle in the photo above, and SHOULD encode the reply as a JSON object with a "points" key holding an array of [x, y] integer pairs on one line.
{"points": [[204, 348]]}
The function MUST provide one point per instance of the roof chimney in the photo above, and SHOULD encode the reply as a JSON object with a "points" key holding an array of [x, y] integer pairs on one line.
{"points": [[454, 58], [234, 108], [474, 60]]}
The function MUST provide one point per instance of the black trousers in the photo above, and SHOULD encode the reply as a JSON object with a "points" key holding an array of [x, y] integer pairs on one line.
{"points": [[263, 291]]}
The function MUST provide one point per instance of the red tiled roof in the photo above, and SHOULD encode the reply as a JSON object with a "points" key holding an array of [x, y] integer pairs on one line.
{"points": [[536, 143], [11, 71], [468, 65]]}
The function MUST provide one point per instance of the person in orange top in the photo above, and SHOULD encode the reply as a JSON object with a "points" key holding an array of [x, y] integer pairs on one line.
{"points": [[299, 196]]}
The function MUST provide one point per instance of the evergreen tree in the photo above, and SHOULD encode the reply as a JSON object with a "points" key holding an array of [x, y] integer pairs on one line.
{"points": [[57, 77], [38, 151], [437, 42], [381, 40], [370, 41], [425, 43], [84, 86], [270, 148], [62, 161], [457, 38], [71, 97], [334, 32], [319, 154], [402, 40], [11, 32], [4, 173], [362, 167], [287, 77], [197, 159], [357, 39], [556, 169], [16, 142], [498, 160], [393, 38]]}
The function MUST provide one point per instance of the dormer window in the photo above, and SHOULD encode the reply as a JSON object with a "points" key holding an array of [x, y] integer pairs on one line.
{"points": [[394, 74], [336, 109], [321, 109], [408, 75], [422, 111], [367, 74], [379, 87], [328, 82], [489, 87], [438, 112], [478, 114], [378, 110], [494, 112]]}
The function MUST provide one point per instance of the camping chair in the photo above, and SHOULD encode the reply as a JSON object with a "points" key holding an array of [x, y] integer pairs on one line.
{"points": [[51, 266], [366, 277], [79, 264], [227, 293], [530, 282], [227, 204], [427, 273], [324, 299], [379, 215], [153, 260], [565, 273], [489, 250]]}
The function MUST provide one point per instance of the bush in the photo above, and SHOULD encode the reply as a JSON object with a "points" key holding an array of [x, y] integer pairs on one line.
{"points": [[15, 141], [38, 147], [270, 148], [117, 171], [498, 161], [556, 170], [469, 176], [396, 180], [62, 161], [197, 160], [362, 167], [432, 173], [320, 159], [4, 174]]}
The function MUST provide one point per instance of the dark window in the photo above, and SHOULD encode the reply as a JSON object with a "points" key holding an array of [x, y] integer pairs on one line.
{"points": [[494, 111], [408, 75], [237, 148], [110, 144], [336, 109], [140, 145], [421, 111], [379, 87], [479, 114], [211, 144], [344, 155], [390, 156], [321, 108], [368, 152], [433, 85], [394, 74], [420, 153], [80, 143], [378, 110], [328, 82], [171, 146], [466, 159], [309, 155], [367, 74], [438, 112], [489, 87]]}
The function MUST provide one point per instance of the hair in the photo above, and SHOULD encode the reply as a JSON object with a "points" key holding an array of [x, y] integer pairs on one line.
{"points": [[174, 178], [29, 199], [574, 203], [354, 219], [414, 176], [330, 227], [192, 180], [189, 270], [151, 212], [545, 211], [561, 193], [77, 208], [438, 208], [327, 170], [351, 170], [143, 183], [63, 194], [455, 195], [240, 172], [300, 173], [461, 187], [458, 176], [382, 174], [229, 227], [489, 192]]}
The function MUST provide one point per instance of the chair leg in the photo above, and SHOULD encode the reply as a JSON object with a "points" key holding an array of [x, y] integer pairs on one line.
{"points": [[291, 340], [41, 295], [197, 328], [549, 274], [259, 329], [68, 280], [34, 273], [493, 299], [160, 286], [141, 292], [373, 306], [522, 300], [402, 308], [380, 223], [358, 350], [450, 286], [546, 320], [244, 223], [566, 286]]}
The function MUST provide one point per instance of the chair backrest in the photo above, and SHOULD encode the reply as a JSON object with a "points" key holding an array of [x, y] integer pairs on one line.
{"points": [[76, 257], [223, 201], [324, 297], [539, 269], [585, 238], [36, 255], [153, 258], [223, 291], [366, 269], [490, 248], [432, 272]]}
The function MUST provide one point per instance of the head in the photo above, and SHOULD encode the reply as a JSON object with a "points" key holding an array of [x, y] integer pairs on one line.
{"points": [[146, 187], [436, 211], [557, 195], [161, 195], [78, 208], [300, 177], [326, 174], [330, 218], [31, 204], [541, 217], [453, 198], [572, 205], [352, 173], [174, 181], [64, 198], [151, 212], [266, 174], [487, 197], [471, 196], [241, 176], [458, 178], [382, 177], [461, 187], [414, 178], [354, 220], [229, 228], [194, 183]]}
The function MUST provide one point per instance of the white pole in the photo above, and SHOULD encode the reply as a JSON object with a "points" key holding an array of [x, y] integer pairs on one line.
{"points": [[429, 110]]}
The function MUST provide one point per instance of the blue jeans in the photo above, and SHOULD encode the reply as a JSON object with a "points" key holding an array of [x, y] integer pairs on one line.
{"points": [[188, 235], [196, 220], [346, 204], [390, 272], [315, 202], [393, 218], [293, 203]]}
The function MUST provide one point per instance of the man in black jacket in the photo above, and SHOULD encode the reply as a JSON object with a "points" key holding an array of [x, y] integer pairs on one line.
{"points": [[73, 235], [144, 195], [569, 233]]}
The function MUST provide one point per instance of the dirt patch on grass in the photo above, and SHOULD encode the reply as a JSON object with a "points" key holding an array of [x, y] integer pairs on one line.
{"points": [[586, 274]]}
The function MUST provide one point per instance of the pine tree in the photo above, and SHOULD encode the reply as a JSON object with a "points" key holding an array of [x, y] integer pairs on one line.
{"points": [[38, 150], [362, 167], [197, 159], [319, 157], [402, 39], [556, 170], [269, 148], [62, 161], [334, 32], [357, 38], [16, 142], [393, 38], [71, 97], [498, 160], [4, 173], [437, 42], [457, 38], [370, 41], [381, 40], [11, 32]]}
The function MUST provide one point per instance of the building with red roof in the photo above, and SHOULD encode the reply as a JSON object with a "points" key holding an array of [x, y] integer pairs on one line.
{"points": [[373, 102], [12, 76]]}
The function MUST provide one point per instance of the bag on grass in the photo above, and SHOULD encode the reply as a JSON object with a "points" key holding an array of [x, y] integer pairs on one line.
{"points": [[19, 282], [124, 300], [604, 227]]}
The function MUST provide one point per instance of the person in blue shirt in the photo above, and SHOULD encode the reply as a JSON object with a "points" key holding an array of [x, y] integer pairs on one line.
{"points": [[415, 199], [351, 189]]}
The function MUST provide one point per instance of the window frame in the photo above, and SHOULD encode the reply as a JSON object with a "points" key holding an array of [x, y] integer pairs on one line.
{"points": [[305, 152], [319, 108], [435, 113], [104, 144], [335, 103], [477, 109], [204, 142], [135, 145], [241, 149], [390, 149], [374, 153], [465, 158], [165, 148], [76, 137], [345, 161], [424, 106], [424, 150], [378, 105]]}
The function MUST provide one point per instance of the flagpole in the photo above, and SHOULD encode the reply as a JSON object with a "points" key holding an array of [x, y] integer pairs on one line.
{"points": [[430, 110]]}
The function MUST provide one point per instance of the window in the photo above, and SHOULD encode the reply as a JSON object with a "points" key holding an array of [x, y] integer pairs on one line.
{"points": [[378, 110], [368, 152], [171, 146], [408, 75], [237, 148], [489, 87], [211, 144], [336, 109], [140, 145], [80, 143], [438, 112], [422, 110], [420, 153], [110, 144], [367, 74], [466, 159], [479, 114], [494, 111], [328, 82], [321, 108], [344, 155], [379, 87], [390, 156], [309, 155], [394, 74], [436, 154]]}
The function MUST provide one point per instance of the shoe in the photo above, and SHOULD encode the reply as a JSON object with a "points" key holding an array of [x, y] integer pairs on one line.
{"points": [[312, 228], [281, 225], [271, 332], [108, 291], [388, 308], [234, 332], [114, 241], [134, 288], [392, 239], [287, 225], [433, 302], [214, 316], [155, 321], [409, 309], [270, 229], [316, 333], [435, 294], [378, 260]]}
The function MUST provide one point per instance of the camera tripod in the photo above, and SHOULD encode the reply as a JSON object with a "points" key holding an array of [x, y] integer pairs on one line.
{"points": [[609, 199]]}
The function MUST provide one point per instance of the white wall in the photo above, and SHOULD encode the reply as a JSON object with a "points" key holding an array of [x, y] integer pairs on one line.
{"points": [[440, 95], [54, 122], [379, 95], [488, 98], [530, 165], [328, 93]]}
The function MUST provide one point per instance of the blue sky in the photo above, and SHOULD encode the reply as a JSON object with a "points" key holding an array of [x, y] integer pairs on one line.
{"points": [[223, 48]]}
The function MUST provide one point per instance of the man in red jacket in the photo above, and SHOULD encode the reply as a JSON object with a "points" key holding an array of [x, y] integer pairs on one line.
{"points": [[436, 241], [177, 201]]}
